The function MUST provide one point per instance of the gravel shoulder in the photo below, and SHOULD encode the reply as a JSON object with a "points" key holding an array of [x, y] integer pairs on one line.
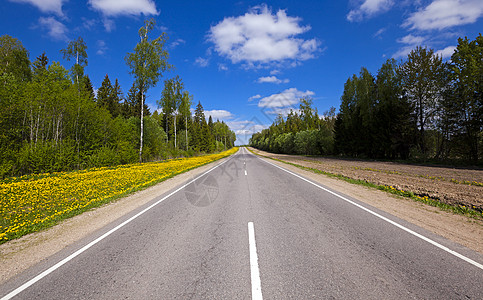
{"points": [[461, 229], [20, 254]]}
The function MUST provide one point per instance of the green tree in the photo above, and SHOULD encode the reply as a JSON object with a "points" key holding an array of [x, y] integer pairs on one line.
{"points": [[147, 63], [198, 122], [14, 58], [466, 103], [132, 103], [423, 84], [393, 128], [104, 93], [76, 50], [89, 88], [115, 99], [170, 103], [185, 111]]}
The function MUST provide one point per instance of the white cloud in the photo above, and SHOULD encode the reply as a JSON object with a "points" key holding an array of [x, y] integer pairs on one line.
{"points": [[218, 114], [55, 29], [113, 8], [262, 37], [249, 130], [254, 98], [45, 6], [101, 47], [368, 9], [88, 23], [272, 79], [446, 52], [222, 67], [176, 43], [379, 32], [245, 128], [411, 42], [287, 98], [441, 14], [202, 62]]}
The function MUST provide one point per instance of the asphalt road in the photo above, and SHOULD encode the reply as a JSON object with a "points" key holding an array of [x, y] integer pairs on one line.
{"points": [[248, 229]]}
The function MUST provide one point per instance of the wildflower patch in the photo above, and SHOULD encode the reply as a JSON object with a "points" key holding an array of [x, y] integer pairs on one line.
{"points": [[32, 203]]}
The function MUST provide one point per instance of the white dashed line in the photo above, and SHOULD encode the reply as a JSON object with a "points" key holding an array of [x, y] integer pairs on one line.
{"points": [[256, 283]]}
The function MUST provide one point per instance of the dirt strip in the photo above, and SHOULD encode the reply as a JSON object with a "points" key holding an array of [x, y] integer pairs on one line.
{"points": [[458, 228]]}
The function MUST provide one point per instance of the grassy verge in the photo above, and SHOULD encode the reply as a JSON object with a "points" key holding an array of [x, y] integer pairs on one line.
{"points": [[33, 203], [458, 209]]}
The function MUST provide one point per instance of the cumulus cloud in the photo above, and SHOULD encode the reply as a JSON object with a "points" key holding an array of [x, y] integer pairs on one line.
{"points": [[55, 29], [446, 52], [218, 114], [254, 98], [369, 8], [284, 100], [245, 128], [45, 6], [272, 79], [262, 37], [112, 8], [441, 14]]}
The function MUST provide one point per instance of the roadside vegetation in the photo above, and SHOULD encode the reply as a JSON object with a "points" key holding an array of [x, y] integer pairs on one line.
{"points": [[51, 120], [422, 109], [34, 202]]}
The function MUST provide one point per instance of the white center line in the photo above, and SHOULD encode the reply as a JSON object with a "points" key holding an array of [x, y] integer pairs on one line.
{"points": [[256, 283]]}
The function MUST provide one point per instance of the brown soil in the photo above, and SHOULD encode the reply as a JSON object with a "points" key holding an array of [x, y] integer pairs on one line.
{"points": [[455, 186]]}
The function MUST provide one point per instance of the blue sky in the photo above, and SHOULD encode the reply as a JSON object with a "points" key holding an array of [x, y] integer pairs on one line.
{"points": [[245, 61]]}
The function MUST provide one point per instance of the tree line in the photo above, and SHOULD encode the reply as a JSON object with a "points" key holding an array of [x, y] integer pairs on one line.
{"points": [[421, 108], [52, 120]]}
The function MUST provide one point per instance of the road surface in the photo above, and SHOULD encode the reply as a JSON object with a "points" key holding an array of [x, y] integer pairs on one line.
{"points": [[248, 229]]}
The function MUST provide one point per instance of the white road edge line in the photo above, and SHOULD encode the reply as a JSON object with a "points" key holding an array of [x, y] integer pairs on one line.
{"points": [[81, 250], [474, 263], [255, 273]]}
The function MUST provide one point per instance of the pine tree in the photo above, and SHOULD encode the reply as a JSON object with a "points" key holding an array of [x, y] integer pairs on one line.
{"points": [[114, 104], [104, 93]]}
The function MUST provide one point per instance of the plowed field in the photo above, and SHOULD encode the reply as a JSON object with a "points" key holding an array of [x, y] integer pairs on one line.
{"points": [[455, 186]]}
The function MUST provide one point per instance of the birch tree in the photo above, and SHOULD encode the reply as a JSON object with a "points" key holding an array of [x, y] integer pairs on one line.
{"points": [[76, 50], [185, 111], [147, 62]]}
